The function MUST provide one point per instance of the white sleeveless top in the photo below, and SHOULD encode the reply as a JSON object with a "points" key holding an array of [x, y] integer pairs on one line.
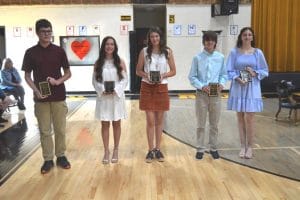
{"points": [[158, 63]]}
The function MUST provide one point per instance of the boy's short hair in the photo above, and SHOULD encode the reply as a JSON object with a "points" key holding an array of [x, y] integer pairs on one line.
{"points": [[210, 36], [42, 23]]}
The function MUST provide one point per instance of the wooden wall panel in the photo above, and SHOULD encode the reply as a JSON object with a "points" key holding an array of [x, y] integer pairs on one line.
{"points": [[47, 2]]}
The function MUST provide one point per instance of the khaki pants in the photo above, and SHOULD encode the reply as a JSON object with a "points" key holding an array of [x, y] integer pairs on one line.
{"points": [[211, 105], [52, 114]]}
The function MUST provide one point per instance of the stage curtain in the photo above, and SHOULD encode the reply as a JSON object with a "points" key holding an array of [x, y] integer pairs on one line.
{"points": [[276, 24]]}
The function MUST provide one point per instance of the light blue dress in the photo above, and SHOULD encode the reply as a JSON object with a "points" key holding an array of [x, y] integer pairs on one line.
{"points": [[246, 98]]}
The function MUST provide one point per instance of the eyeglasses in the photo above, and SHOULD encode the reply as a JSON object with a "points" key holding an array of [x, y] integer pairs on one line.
{"points": [[45, 32]]}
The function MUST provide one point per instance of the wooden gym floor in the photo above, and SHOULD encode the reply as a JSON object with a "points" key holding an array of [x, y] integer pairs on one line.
{"points": [[179, 177]]}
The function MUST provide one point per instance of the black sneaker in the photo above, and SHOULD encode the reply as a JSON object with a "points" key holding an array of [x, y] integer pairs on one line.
{"points": [[63, 162], [214, 154], [199, 155], [21, 106], [149, 156], [159, 156], [47, 166]]}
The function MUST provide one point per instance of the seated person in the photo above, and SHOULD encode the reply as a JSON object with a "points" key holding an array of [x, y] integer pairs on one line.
{"points": [[11, 82], [5, 101]]}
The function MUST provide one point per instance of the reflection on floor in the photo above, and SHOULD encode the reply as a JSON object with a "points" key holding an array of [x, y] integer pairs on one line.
{"points": [[277, 143], [14, 143], [20, 137]]}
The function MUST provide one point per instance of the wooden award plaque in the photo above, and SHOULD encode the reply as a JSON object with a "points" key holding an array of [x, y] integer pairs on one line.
{"points": [[245, 76], [45, 88], [213, 89], [109, 86], [155, 76]]}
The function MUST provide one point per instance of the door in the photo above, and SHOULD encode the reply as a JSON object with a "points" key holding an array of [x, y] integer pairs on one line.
{"points": [[138, 40], [145, 16], [2, 44]]}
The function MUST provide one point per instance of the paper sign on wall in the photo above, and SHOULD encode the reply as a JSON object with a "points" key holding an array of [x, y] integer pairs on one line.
{"points": [[123, 29], [17, 31]]}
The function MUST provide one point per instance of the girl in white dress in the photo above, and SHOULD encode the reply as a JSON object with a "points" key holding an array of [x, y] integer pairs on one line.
{"points": [[110, 105]]}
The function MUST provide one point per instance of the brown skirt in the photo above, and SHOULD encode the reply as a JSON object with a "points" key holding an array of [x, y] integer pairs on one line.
{"points": [[154, 97]]}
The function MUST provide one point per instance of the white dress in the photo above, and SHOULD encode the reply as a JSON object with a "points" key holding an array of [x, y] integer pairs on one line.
{"points": [[110, 107]]}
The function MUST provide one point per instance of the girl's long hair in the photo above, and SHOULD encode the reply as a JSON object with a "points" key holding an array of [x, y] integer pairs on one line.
{"points": [[240, 42], [98, 68], [162, 44]]}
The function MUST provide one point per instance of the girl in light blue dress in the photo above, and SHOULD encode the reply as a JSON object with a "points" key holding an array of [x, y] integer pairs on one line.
{"points": [[245, 93]]}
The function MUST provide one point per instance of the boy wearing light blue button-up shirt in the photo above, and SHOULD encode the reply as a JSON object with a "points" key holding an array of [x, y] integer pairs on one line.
{"points": [[208, 69]]}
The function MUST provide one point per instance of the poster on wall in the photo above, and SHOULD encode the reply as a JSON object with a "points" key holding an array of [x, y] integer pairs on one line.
{"points": [[177, 29], [17, 31], [82, 30], [124, 29], [233, 29], [69, 30], [81, 50], [30, 32], [192, 29], [96, 29]]}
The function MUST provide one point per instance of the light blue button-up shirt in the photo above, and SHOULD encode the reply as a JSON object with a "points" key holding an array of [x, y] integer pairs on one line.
{"points": [[208, 68]]}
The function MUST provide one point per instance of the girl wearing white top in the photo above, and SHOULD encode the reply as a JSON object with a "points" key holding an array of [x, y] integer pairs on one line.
{"points": [[154, 98], [110, 105]]}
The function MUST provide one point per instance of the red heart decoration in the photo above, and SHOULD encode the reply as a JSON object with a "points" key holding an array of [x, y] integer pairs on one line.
{"points": [[81, 48]]}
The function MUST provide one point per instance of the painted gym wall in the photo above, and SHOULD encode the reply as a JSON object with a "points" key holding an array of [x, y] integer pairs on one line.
{"points": [[185, 46]]}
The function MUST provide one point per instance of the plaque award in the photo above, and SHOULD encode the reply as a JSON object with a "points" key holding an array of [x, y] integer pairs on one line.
{"points": [[155, 76], [45, 88], [109, 86], [213, 89], [245, 76]]}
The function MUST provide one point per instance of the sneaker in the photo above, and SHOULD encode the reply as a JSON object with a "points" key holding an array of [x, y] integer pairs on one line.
{"points": [[149, 156], [21, 106], [63, 162], [199, 155], [159, 156], [2, 120], [214, 154], [47, 166]]}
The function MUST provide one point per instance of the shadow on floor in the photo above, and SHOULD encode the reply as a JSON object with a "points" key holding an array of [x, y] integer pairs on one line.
{"points": [[277, 143]]}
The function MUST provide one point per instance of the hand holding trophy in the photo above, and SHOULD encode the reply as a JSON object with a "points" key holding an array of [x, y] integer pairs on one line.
{"points": [[245, 75], [213, 89], [45, 89], [154, 76], [109, 87]]}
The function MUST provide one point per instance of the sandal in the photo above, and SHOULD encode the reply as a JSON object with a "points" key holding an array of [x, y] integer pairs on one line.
{"points": [[105, 159], [114, 158]]}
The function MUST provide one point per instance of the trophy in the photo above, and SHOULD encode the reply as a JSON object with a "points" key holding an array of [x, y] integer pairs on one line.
{"points": [[155, 76], [45, 88], [109, 86], [245, 76], [213, 89]]}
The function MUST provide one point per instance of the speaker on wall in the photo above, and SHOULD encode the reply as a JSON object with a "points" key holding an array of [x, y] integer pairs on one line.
{"points": [[229, 7]]}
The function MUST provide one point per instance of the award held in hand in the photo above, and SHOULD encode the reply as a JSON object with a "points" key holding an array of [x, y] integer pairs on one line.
{"points": [[109, 86], [213, 89], [155, 76], [45, 88], [245, 76]]}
